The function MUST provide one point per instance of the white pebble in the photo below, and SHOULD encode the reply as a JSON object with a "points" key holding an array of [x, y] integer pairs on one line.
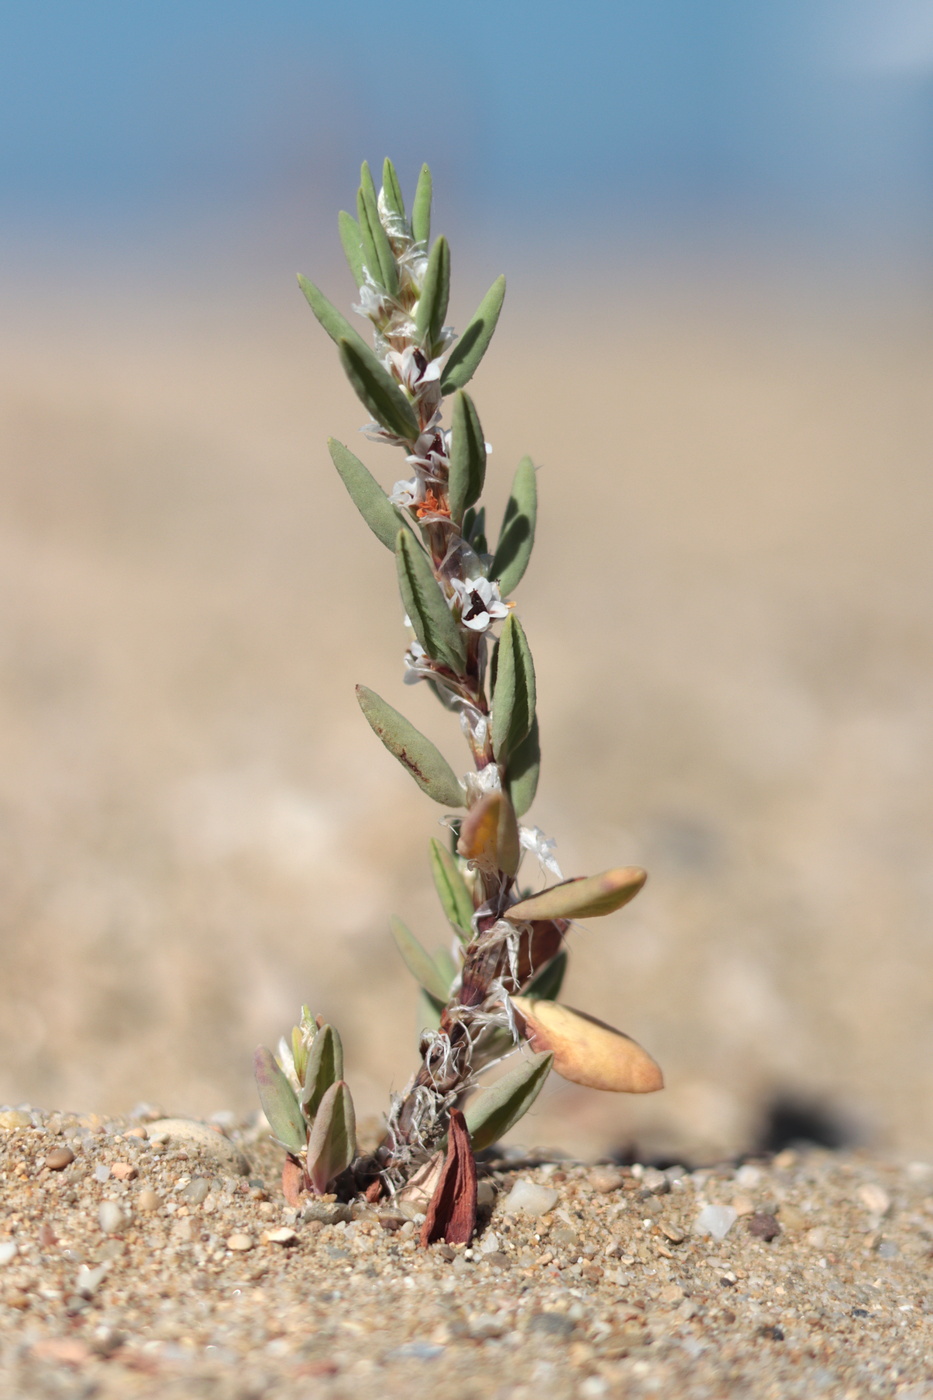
{"points": [[102, 1172], [874, 1198], [526, 1196], [489, 1243], [110, 1216], [748, 1176], [7, 1251], [239, 1243], [89, 1280], [716, 1221]]}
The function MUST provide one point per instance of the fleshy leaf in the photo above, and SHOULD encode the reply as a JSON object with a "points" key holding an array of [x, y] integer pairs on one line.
{"points": [[472, 345], [391, 189], [377, 251], [417, 755], [426, 605], [419, 962], [587, 1051], [325, 1067], [451, 1215], [517, 536], [279, 1103], [334, 322], [451, 889], [352, 245], [435, 291], [378, 391], [495, 1110], [584, 898], [523, 770], [467, 456], [366, 494], [489, 835], [421, 208], [332, 1140], [514, 696], [548, 982]]}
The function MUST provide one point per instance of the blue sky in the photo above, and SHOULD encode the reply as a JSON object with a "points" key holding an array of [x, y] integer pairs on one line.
{"points": [[811, 116]]}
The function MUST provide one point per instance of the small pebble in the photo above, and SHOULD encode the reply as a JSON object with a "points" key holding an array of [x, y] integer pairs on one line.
{"points": [[111, 1217], [715, 1220], [197, 1190], [102, 1172], [673, 1232], [654, 1182], [15, 1118], [147, 1199], [606, 1179], [7, 1251], [489, 1243], [874, 1198], [525, 1196], [763, 1226], [282, 1236], [485, 1195], [59, 1158], [240, 1243], [123, 1171]]}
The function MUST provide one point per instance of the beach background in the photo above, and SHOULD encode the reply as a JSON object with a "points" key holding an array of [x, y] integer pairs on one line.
{"points": [[716, 344]]}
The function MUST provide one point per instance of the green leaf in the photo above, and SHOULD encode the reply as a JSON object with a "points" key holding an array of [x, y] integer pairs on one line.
{"points": [[382, 517], [325, 1067], [377, 251], [426, 605], [546, 983], [279, 1103], [421, 208], [446, 967], [391, 189], [471, 347], [352, 245], [523, 769], [497, 1109], [435, 291], [332, 1140], [467, 456], [335, 324], [378, 391], [429, 1011], [419, 963], [518, 529], [585, 898], [417, 755], [513, 699], [451, 889]]}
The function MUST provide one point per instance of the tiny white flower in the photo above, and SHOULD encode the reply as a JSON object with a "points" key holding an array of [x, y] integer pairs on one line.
{"points": [[408, 493], [533, 839], [480, 603], [477, 785]]}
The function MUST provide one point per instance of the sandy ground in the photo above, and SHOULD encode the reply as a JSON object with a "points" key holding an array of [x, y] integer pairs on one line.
{"points": [[152, 1258], [730, 611]]}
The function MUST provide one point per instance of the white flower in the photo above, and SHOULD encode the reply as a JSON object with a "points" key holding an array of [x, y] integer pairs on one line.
{"points": [[417, 665], [533, 839], [488, 779], [408, 493], [480, 603]]}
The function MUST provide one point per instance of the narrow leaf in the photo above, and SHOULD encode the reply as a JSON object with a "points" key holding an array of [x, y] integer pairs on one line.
{"points": [[426, 605], [514, 696], [279, 1103], [451, 1215], [378, 391], [548, 982], [429, 1011], [497, 1109], [421, 208], [335, 324], [417, 755], [419, 962], [352, 245], [391, 189], [522, 771], [377, 251], [332, 1140], [584, 898], [446, 967], [467, 456], [518, 529], [382, 517], [451, 888], [325, 1067], [489, 834], [471, 347], [435, 291], [587, 1051]]}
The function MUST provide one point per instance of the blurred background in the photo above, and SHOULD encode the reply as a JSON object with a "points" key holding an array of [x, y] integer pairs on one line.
{"points": [[715, 221]]}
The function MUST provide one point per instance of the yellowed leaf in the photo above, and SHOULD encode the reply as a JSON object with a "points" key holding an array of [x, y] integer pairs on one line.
{"points": [[583, 898], [587, 1051]]}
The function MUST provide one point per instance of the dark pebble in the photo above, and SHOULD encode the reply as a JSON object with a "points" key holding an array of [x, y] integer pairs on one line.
{"points": [[763, 1226], [772, 1332], [552, 1324], [860, 1312]]}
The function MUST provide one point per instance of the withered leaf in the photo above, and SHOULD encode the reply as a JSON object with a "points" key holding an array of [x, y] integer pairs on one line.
{"points": [[452, 1213]]}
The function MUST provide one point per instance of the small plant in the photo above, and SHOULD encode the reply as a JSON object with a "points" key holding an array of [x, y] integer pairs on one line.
{"points": [[493, 997]]}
